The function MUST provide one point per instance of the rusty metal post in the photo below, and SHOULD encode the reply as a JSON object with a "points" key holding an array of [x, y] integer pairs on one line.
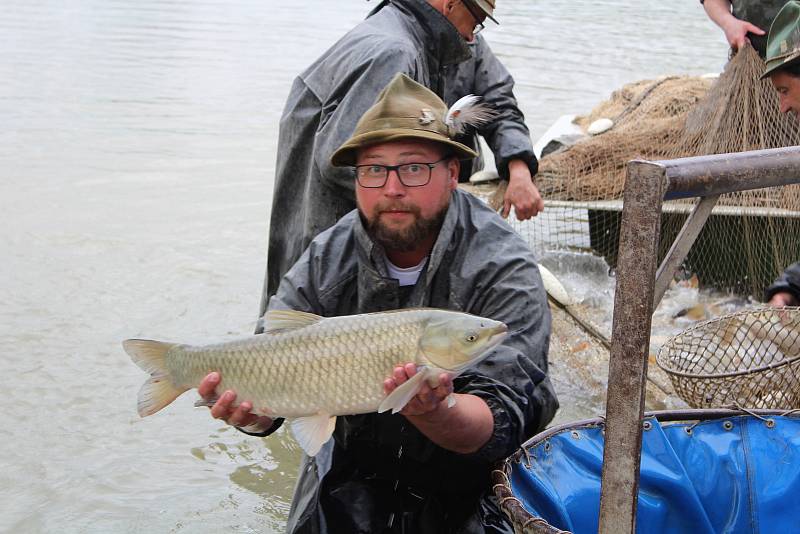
{"points": [[633, 307]]}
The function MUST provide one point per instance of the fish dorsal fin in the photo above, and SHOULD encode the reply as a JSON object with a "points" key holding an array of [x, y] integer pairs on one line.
{"points": [[313, 432], [282, 320], [397, 399]]}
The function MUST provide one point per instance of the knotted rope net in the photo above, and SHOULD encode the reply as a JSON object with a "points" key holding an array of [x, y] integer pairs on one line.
{"points": [[752, 236]]}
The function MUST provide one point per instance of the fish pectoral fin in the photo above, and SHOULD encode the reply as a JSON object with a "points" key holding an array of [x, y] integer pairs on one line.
{"points": [[313, 431], [397, 399], [282, 320]]}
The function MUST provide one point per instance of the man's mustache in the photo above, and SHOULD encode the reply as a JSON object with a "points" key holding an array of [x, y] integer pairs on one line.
{"points": [[395, 206]]}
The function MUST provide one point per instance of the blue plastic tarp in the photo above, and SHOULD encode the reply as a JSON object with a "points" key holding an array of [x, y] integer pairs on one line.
{"points": [[735, 475]]}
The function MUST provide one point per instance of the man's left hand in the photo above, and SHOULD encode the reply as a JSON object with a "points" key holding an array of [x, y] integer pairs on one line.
{"points": [[521, 193], [428, 399]]}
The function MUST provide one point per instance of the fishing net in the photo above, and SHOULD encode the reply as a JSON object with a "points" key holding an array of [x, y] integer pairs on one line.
{"points": [[750, 359], [751, 235]]}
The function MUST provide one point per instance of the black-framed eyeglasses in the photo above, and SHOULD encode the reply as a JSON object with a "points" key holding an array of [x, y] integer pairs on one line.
{"points": [[478, 21], [410, 174]]}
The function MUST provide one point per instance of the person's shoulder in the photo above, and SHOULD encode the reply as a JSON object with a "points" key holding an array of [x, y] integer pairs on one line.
{"points": [[362, 51], [793, 271], [367, 42], [384, 32]]}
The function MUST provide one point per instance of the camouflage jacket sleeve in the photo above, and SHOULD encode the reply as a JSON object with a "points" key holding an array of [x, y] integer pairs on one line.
{"points": [[507, 135], [788, 282]]}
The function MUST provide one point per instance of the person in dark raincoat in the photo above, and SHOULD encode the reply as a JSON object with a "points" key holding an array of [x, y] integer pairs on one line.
{"points": [[786, 289], [744, 20], [429, 41], [417, 240]]}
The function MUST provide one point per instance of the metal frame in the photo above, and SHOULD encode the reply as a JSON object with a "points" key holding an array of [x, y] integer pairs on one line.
{"points": [[640, 287]]}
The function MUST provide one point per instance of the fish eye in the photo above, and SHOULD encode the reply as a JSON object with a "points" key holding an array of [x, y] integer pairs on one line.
{"points": [[471, 337]]}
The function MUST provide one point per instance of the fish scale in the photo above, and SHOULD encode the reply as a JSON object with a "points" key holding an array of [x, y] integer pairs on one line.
{"points": [[312, 369], [272, 369]]}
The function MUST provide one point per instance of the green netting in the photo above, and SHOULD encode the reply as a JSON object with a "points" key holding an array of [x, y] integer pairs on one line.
{"points": [[751, 236]]}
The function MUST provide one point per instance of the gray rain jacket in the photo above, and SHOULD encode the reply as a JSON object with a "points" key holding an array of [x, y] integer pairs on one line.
{"points": [[326, 101], [380, 466], [788, 282]]}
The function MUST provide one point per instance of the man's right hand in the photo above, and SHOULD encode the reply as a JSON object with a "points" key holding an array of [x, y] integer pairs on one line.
{"points": [[719, 11], [226, 409], [736, 32]]}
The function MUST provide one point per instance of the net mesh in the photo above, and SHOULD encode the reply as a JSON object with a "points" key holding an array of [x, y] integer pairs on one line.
{"points": [[750, 359], [751, 236]]}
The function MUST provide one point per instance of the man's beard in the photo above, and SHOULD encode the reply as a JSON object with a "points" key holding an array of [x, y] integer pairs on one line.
{"points": [[406, 239]]}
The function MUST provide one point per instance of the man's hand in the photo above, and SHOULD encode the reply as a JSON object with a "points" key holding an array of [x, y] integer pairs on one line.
{"points": [[521, 193], [719, 11], [226, 409], [736, 32], [429, 399], [463, 428], [782, 299]]}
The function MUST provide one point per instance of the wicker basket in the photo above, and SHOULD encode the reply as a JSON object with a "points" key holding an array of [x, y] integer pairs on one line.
{"points": [[749, 359]]}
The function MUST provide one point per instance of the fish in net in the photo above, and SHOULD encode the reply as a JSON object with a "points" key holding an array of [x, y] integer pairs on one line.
{"points": [[749, 359]]}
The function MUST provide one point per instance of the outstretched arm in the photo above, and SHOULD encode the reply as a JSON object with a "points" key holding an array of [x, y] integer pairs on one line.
{"points": [[736, 30]]}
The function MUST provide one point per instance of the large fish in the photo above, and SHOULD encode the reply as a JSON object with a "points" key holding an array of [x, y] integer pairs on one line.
{"points": [[311, 369]]}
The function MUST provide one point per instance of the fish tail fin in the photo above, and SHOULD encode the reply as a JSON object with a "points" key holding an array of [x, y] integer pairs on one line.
{"points": [[159, 390]]}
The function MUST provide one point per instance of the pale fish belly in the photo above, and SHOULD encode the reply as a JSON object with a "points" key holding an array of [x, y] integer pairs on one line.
{"points": [[336, 367]]}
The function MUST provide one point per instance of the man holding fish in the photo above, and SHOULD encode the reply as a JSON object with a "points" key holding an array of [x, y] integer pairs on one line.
{"points": [[416, 242], [432, 41]]}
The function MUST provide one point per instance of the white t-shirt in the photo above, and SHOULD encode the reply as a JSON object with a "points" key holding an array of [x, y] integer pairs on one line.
{"points": [[407, 276]]}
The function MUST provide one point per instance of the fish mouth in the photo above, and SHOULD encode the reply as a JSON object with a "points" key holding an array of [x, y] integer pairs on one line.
{"points": [[498, 333], [496, 336], [500, 329]]}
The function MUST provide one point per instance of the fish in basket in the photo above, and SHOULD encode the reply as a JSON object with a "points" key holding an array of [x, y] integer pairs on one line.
{"points": [[750, 359]]}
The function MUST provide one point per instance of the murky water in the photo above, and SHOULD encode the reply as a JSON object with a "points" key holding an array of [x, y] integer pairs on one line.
{"points": [[137, 147]]}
